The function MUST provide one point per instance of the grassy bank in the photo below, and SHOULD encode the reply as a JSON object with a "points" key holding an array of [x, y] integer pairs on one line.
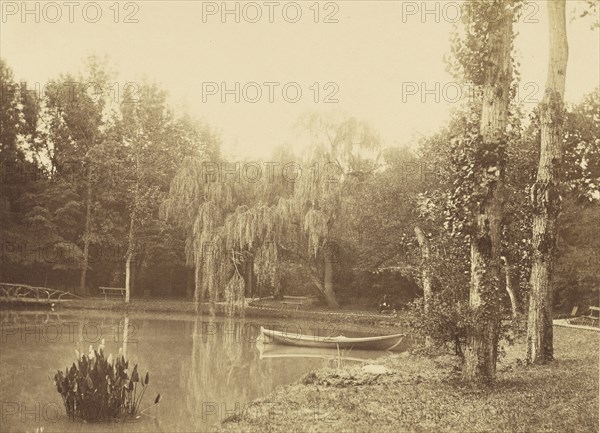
{"points": [[421, 394]]}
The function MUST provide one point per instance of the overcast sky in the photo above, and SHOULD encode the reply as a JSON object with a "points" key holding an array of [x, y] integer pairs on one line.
{"points": [[378, 58]]}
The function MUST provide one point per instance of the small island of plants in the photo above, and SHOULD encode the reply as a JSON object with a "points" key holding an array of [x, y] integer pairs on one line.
{"points": [[99, 388]]}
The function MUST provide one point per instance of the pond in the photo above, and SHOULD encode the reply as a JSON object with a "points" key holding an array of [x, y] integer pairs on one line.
{"points": [[206, 369]]}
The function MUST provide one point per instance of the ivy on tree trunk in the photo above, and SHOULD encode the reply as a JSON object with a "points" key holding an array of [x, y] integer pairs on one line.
{"points": [[494, 41], [545, 196]]}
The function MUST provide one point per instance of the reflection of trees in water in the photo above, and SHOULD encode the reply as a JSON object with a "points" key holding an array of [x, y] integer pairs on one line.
{"points": [[19, 317], [28, 364], [224, 370]]}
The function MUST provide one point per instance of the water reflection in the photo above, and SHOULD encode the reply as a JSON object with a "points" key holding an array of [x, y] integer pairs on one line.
{"points": [[333, 356], [206, 369]]}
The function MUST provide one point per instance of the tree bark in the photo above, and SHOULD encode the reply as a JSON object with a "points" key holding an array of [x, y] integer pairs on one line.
{"points": [[425, 274], [129, 259], [86, 235], [425, 267], [481, 349], [249, 277], [329, 297], [131, 241], [328, 285], [545, 194], [509, 287]]}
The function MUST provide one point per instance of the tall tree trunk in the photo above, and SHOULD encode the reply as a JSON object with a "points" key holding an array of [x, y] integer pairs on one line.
{"points": [[130, 252], [545, 195], [328, 295], [328, 285], [249, 277], [425, 267], [425, 274], [86, 235], [481, 349], [509, 286], [131, 240]]}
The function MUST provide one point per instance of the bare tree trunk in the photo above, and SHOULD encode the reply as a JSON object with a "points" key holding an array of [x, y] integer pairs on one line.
{"points": [[481, 349], [545, 195], [130, 245], [425, 274], [324, 285], [129, 259], [425, 267], [86, 235], [249, 277], [328, 285], [509, 287], [329, 297]]}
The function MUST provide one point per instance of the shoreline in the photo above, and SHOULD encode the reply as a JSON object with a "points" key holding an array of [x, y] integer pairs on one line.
{"points": [[372, 320], [421, 393], [344, 320]]}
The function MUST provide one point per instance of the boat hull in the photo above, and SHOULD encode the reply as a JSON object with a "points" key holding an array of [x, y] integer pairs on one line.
{"points": [[277, 351], [387, 342]]}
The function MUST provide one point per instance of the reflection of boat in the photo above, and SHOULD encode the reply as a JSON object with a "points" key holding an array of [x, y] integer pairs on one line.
{"points": [[279, 351], [385, 342]]}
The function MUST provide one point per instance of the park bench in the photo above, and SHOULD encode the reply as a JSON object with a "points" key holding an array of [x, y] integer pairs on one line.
{"points": [[296, 301], [591, 319], [291, 303], [112, 291]]}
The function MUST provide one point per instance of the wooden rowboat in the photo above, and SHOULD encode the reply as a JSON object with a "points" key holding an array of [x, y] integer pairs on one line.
{"points": [[277, 351], [385, 342]]}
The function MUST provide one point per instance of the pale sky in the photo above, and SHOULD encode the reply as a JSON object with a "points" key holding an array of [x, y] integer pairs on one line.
{"points": [[380, 55]]}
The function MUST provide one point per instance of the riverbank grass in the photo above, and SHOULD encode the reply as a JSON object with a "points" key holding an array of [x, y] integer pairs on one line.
{"points": [[422, 394]]}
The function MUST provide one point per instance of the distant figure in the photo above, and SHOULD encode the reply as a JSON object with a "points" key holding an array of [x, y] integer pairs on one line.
{"points": [[386, 306]]}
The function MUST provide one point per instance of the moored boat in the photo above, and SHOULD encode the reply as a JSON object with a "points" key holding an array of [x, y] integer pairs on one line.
{"points": [[384, 342], [277, 351]]}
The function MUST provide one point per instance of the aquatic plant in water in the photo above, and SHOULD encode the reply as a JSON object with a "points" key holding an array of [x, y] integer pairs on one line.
{"points": [[99, 388]]}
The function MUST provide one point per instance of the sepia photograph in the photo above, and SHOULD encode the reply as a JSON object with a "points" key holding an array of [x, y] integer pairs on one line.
{"points": [[300, 216]]}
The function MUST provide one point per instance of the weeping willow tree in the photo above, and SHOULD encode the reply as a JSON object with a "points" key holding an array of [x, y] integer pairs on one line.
{"points": [[299, 225], [200, 205], [339, 148], [233, 223]]}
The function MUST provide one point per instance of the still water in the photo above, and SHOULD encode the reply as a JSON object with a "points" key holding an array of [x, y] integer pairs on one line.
{"points": [[206, 369]]}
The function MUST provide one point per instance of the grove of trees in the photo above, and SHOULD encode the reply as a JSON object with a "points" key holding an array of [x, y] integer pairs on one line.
{"points": [[493, 217]]}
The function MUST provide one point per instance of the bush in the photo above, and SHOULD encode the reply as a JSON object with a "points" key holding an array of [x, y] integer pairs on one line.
{"points": [[445, 322]]}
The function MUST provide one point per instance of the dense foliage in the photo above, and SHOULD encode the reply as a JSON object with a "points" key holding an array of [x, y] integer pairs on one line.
{"points": [[99, 388], [338, 222]]}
